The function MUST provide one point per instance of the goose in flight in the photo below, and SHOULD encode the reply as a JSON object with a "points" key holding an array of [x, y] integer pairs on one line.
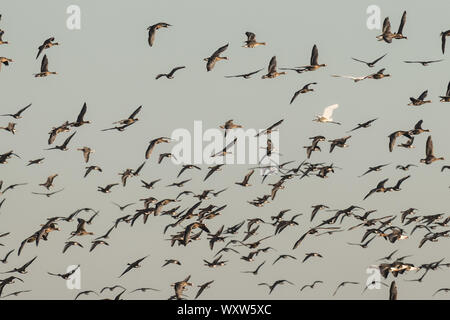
{"points": [[245, 75], [86, 153], [133, 265], [49, 182], [229, 125], [1, 38], [152, 31], [131, 119], [284, 256], [373, 169], [379, 188], [244, 182], [180, 287], [57, 130], [95, 243], [153, 143], [11, 127], [5, 259], [80, 118], [270, 129], [44, 69], [251, 41], [18, 114], [371, 64], [5, 61], [22, 269], [225, 151], [405, 167], [91, 168], [170, 74], [85, 293], [444, 35], [65, 276], [47, 44], [48, 194], [69, 244], [203, 287], [393, 137], [149, 185], [424, 63], [275, 284], [63, 146], [313, 64], [378, 75], [107, 189], [342, 284], [326, 115], [272, 69], [429, 153], [304, 89], [399, 33], [211, 61], [310, 255], [386, 34], [255, 272], [341, 143], [16, 293], [366, 124], [420, 100], [312, 285], [446, 97]]}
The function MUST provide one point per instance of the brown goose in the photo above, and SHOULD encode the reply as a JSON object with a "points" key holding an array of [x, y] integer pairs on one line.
{"points": [[152, 31], [304, 89], [80, 119], [420, 100], [272, 69], [251, 41], [429, 153], [44, 68], [170, 74], [47, 44], [17, 115], [5, 61], [211, 61]]}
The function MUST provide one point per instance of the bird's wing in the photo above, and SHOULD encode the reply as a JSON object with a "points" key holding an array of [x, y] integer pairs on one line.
{"points": [[328, 111], [44, 64], [135, 112], [220, 50], [82, 113], [423, 95], [402, 23], [272, 65], [314, 55], [429, 147]]}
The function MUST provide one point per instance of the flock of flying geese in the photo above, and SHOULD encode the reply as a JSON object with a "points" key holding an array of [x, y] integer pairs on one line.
{"points": [[191, 223]]}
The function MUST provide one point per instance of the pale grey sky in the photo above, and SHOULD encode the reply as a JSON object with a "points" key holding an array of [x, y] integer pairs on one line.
{"points": [[109, 65]]}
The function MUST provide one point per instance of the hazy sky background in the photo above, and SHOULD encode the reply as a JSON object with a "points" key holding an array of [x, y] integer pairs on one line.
{"points": [[109, 65]]}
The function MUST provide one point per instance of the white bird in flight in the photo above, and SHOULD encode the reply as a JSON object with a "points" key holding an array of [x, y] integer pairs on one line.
{"points": [[355, 79], [326, 116]]}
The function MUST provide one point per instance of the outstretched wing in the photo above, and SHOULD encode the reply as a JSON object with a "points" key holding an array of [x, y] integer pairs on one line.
{"points": [[44, 64], [429, 147], [423, 95], [328, 111], [402, 23], [220, 50], [314, 56], [272, 65]]}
